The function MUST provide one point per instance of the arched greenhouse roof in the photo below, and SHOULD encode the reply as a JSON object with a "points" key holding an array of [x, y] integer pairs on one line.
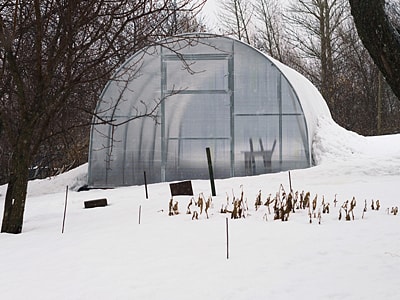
{"points": [[201, 91]]}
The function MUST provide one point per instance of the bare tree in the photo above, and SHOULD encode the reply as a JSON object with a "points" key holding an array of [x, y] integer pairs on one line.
{"points": [[54, 54], [269, 35], [235, 17], [314, 25], [357, 84]]}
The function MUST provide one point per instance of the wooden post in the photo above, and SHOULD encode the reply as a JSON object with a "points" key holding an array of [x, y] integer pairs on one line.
{"points": [[210, 171], [290, 183], [145, 185], [65, 209]]}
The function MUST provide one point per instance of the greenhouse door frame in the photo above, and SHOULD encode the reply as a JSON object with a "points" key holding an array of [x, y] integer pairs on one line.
{"points": [[165, 93]]}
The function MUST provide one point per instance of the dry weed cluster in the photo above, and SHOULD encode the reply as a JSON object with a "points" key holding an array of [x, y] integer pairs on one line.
{"points": [[280, 206]]}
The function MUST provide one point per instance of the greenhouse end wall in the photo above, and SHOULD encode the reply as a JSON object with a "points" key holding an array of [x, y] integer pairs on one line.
{"points": [[208, 92]]}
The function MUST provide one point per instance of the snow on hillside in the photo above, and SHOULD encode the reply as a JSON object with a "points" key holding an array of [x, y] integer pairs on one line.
{"points": [[105, 253]]}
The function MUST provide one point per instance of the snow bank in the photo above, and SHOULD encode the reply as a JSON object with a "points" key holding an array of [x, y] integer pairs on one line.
{"points": [[332, 143], [346, 152]]}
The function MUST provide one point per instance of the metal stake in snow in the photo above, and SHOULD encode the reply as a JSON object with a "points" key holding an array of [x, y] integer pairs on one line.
{"points": [[227, 240], [290, 182], [140, 212], [65, 209]]}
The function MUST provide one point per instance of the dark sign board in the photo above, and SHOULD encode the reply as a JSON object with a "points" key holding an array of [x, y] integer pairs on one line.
{"points": [[95, 203], [181, 188]]}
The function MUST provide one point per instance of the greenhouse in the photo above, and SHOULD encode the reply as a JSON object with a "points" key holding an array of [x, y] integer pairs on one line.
{"points": [[169, 102]]}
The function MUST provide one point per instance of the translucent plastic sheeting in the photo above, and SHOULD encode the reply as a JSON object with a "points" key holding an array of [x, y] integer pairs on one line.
{"points": [[205, 91]]}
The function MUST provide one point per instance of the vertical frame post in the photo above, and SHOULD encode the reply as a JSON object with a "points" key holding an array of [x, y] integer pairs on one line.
{"points": [[231, 89], [163, 96]]}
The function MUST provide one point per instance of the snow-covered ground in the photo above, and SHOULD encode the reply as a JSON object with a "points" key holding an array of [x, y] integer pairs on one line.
{"points": [[104, 253]]}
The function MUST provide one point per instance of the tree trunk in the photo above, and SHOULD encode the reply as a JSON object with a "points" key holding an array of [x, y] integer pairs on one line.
{"points": [[379, 37], [323, 52], [379, 105], [14, 204]]}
